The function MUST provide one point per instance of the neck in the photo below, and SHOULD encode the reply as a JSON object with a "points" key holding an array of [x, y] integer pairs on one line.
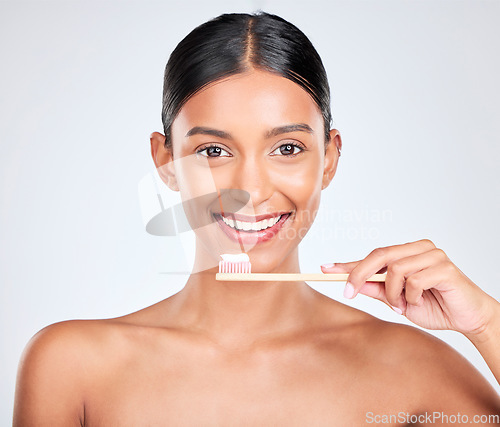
{"points": [[237, 314]]}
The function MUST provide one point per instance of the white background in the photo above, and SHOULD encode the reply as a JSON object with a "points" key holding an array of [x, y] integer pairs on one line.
{"points": [[415, 95]]}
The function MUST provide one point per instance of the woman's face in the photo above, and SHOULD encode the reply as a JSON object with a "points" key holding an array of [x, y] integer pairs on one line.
{"points": [[262, 136]]}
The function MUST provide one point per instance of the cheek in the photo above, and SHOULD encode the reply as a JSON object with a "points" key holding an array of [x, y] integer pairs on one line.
{"points": [[301, 183], [197, 190], [194, 179]]}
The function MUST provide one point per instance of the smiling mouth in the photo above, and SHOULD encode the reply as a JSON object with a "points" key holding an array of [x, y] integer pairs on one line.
{"points": [[245, 224]]}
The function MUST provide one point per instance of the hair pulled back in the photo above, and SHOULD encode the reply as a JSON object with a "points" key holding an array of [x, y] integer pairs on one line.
{"points": [[234, 43]]}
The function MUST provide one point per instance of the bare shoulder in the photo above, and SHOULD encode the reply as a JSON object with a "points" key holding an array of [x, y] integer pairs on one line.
{"points": [[443, 379], [53, 372], [67, 342], [407, 368]]}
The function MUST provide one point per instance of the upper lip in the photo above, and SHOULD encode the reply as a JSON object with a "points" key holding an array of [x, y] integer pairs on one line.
{"points": [[252, 218]]}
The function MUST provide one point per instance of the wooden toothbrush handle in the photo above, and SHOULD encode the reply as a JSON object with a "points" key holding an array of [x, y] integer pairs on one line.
{"points": [[292, 277]]}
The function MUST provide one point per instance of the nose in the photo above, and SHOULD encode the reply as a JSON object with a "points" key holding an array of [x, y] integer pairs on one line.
{"points": [[252, 175]]}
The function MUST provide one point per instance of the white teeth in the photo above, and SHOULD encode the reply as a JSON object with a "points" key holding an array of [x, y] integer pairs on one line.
{"points": [[246, 226], [228, 221], [251, 226]]}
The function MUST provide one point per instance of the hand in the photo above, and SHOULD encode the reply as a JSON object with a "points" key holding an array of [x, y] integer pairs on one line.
{"points": [[422, 284]]}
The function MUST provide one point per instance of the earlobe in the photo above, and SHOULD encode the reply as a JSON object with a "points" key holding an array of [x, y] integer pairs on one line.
{"points": [[332, 155], [163, 160]]}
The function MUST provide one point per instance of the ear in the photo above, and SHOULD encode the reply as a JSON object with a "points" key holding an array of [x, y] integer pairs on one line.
{"points": [[332, 154], [163, 159]]}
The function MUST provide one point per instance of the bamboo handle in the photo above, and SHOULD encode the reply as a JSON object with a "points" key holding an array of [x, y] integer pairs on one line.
{"points": [[292, 277]]}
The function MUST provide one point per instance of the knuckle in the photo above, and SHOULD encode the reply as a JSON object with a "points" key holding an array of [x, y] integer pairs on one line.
{"points": [[378, 252], [412, 282], [395, 268], [439, 253], [449, 267], [427, 243]]}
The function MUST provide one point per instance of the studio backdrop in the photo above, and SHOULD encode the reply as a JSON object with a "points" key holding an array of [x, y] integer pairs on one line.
{"points": [[415, 96]]}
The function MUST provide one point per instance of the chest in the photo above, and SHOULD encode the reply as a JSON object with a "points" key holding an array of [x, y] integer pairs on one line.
{"points": [[239, 391]]}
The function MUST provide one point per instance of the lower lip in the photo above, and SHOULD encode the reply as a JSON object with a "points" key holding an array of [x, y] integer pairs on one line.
{"points": [[251, 237]]}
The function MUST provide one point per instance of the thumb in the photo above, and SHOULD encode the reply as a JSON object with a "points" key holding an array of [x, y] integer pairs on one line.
{"points": [[345, 267]]}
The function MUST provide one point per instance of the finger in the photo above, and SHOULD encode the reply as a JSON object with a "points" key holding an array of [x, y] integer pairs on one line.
{"points": [[380, 258], [339, 266], [432, 277], [344, 267], [399, 270], [376, 290]]}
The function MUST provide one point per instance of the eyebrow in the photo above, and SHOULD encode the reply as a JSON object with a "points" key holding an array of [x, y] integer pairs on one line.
{"points": [[202, 130], [294, 127]]}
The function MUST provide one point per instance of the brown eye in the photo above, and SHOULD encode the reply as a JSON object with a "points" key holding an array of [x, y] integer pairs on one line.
{"points": [[213, 151], [287, 150]]}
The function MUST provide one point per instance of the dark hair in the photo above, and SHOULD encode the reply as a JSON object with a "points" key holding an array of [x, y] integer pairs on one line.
{"points": [[234, 43]]}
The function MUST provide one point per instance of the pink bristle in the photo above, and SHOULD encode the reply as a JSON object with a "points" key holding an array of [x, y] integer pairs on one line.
{"points": [[235, 267]]}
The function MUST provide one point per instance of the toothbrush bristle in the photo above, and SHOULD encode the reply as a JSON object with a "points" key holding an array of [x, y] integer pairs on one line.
{"points": [[235, 267]]}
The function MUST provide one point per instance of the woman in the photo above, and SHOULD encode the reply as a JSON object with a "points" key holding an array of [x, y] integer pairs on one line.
{"points": [[247, 113]]}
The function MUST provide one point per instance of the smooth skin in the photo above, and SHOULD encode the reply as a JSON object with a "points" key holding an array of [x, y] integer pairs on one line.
{"points": [[258, 354]]}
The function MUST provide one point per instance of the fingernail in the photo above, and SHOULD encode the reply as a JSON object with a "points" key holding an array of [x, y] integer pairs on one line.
{"points": [[397, 310], [348, 290], [328, 265]]}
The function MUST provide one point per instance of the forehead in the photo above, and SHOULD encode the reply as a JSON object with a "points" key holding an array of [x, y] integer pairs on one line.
{"points": [[256, 99]]}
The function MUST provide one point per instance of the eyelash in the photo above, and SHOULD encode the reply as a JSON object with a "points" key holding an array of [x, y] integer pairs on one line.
{"points": [[293, 144]]}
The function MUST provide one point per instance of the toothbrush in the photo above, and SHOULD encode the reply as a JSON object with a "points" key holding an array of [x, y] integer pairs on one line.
{"points": [[238, 268]]}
